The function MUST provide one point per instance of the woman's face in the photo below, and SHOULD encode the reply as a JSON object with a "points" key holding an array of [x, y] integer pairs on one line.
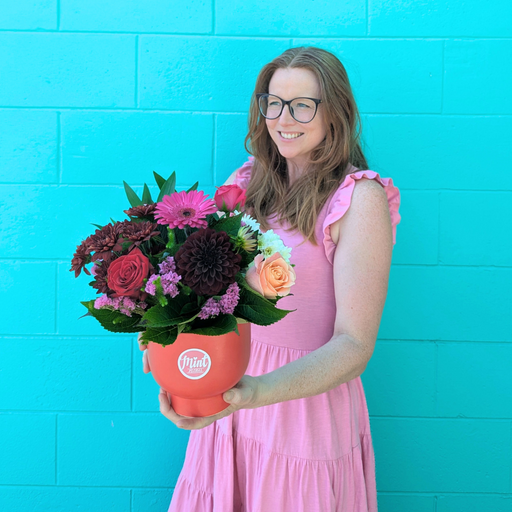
{"points": [[288, 84]]}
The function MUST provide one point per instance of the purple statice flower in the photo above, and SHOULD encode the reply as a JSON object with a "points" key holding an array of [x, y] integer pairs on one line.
{"points": [[150, 285], [102, 301], [124, 305], [211, 308], [167, 265], [169, 283], [226, 304], [230, 299]]}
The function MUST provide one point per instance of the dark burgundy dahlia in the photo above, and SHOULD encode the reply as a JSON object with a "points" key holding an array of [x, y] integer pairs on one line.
{"points": [[206, 262]]}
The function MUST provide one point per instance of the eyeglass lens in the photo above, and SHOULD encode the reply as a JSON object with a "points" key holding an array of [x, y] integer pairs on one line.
{"points": [[302, 109]]}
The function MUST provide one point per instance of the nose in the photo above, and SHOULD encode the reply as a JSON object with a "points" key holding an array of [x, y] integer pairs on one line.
{"points": [[286, 116]]}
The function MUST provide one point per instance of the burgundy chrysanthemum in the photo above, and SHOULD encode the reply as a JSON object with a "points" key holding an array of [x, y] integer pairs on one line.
{"points": [[100, 274], [80, 259], [104, 241], [137, 232], [144, 210], [206, 262], [182, 209]]}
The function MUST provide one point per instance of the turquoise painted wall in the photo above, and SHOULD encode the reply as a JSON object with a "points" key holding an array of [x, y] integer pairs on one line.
{"points": [[95, 92]]}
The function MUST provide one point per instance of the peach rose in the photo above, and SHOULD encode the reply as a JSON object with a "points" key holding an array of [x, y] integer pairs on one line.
{"points": [[272, 277]]}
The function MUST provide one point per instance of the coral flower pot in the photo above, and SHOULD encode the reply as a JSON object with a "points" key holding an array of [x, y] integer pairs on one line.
{"points": [[196, 370]]}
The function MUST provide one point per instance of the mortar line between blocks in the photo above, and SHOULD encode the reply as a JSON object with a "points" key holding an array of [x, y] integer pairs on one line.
{"points": [[510, 460], [58, 14], [137, 104], [56, 301], [436, 377], [58, 149], [131, 500], [439, 227], [367, 19], [442, 76], [214, 149], [214, 21], [132, 372], [435, 503], [56, 440]]}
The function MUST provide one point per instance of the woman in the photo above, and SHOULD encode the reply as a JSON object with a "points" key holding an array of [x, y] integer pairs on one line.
{"points": [[296, 436]]}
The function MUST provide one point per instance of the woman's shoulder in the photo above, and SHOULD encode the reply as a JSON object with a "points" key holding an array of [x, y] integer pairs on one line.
{"points": [[370, 187]]}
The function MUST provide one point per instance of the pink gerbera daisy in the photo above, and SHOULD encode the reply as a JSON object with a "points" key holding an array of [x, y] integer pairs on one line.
{"points": [[182, 209]]}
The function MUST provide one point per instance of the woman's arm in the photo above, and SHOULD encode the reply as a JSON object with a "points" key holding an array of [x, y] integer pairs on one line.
{"points": [[361, 271]]}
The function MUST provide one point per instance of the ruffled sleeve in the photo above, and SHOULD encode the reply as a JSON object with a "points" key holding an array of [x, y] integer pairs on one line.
{"points": [[340, 203], [243, 175]]}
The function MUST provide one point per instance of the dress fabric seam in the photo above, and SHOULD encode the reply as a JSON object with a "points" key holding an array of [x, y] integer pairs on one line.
{"points": [[273, 452], [281, 346]]}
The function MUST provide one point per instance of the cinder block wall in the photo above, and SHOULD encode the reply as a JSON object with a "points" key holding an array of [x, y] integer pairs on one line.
{"points": [[96, 92]]}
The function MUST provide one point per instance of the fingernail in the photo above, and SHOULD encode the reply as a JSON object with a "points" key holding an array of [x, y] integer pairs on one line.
{"points": [[229, 395]]}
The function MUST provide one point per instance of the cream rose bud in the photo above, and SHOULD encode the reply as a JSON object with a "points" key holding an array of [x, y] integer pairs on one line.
{"points": [[272, 277]]}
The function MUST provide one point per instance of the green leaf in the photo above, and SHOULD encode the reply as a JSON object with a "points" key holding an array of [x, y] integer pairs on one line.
{"points": [[131, 195], [97, 225], [222, 324], [257, 309], [168, 315], [193, 187], [168, 187], [162, 335], [146, 195], [159, 180], [114, 321], [230, 225]]}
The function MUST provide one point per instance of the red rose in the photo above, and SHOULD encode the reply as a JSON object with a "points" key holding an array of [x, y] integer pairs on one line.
{"points": [[229, 198], [126, 274]]}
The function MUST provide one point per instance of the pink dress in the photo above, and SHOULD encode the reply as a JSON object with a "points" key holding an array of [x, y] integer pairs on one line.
{"points": [[309, 455]]}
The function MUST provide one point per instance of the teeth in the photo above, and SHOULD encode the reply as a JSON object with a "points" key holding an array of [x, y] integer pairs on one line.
{"points": [[290, 136]]}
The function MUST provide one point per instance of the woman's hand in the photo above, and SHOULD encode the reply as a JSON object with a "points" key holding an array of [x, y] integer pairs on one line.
{"points": [[145, 360], [243, 396]]}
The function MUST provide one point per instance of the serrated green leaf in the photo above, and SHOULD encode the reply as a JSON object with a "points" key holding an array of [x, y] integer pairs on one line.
{"points": [[131, 195], [168, 187], [257, 309], [160, 180], [162, 335], [168, 315], [146, 195], [222, 324], [193, 187], [114, 321]]}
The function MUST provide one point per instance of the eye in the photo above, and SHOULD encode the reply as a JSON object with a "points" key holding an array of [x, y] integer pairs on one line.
{"points": [[303, 105]]}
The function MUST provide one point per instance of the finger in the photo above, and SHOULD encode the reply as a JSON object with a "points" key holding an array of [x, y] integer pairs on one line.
{"points": [[139, 340], [166, 408], [145, 363]]}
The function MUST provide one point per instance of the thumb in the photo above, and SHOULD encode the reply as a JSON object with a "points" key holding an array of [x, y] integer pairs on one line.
{"points": [[237, 396]]}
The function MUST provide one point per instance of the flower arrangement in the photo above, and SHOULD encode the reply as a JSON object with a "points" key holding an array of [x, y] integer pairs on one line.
{"points": [[184, 264]]}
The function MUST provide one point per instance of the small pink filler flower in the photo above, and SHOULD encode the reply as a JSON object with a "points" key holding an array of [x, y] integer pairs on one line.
{"points": [[182, 209]]}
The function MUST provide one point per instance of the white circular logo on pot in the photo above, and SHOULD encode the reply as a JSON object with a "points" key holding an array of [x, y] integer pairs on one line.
{"points": [[194, 363]]}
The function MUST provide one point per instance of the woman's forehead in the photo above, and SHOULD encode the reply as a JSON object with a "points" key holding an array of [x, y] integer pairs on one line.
{"points": [[291, 83]]}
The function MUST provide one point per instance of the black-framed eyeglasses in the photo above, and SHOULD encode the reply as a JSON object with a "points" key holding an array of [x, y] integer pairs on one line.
{"points": [[302, 109]]}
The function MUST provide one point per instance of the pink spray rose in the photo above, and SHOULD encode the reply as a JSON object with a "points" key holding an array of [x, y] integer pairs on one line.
{"points": [[229, 198], [272, 277]]}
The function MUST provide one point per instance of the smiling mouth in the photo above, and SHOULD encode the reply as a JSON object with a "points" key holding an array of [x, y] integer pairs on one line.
{"points": [[290, 136]]}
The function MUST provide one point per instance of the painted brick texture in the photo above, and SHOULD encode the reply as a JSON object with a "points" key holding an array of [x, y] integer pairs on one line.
{"points": [[93, 93]]}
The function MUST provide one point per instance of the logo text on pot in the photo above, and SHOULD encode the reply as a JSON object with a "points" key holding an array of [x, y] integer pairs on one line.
{"points": [[194, 363]]}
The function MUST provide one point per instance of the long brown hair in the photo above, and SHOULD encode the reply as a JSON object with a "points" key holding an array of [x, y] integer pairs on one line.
{"points": [[269, 192]]}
